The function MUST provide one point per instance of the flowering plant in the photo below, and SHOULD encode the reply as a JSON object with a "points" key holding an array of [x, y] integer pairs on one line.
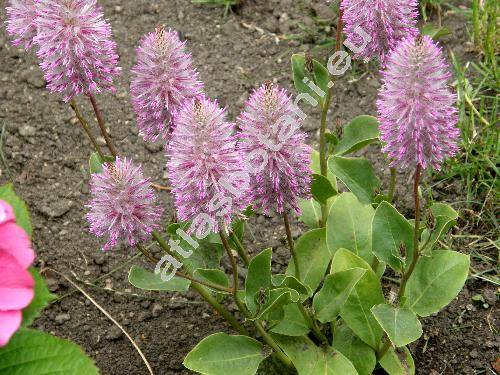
{"points": [[327, 312]]}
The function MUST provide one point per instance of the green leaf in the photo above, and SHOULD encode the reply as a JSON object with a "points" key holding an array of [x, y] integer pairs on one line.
{"points": [[361, 355], [143, 279], [206, 256], [311, 209], [35, 352], [96, 162], [40, 300], [445, 218], [313, 256], [349, 226], [288, 281], [335, 291], [390, 229], [316, 168], [357, 175], [311, 213], [258, 278], [436, 281], [434, 32], [400, 363], [293, 322], [275, 300], [221, 354], [310, 359], [366, 293], [401, 324], [212, 275], [20, 209], [319, 74], [360, 132], [321, 188]]}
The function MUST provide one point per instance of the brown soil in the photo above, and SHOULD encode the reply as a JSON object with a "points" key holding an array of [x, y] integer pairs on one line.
{"points": [[47, 157]]}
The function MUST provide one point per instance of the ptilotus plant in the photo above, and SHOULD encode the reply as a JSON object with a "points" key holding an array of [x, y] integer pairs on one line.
{"points": [[327, 311]]}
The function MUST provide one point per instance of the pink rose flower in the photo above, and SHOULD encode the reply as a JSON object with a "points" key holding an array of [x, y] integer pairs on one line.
{"points": [[16, 283]]}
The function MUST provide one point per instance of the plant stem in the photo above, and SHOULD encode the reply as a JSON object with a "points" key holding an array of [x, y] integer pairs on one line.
{"points": [[324, 114], [242, 252], [86, 127], [100, 121], [416, 234], [392, 186], [205, 294], [146, 253], [265, 336], [291, 246], [270, 341], [317, 332], [234, 265]]}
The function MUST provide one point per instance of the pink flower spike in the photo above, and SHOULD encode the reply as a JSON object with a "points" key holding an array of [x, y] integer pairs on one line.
{"points": [[123, 207], [77, 54], [162, 79], [21, 24], [270, 132], [204, 166], [416, 107], [385, 22]]}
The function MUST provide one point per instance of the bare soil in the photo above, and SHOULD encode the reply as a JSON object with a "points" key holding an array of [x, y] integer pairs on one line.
{"points": [[47, 155]]}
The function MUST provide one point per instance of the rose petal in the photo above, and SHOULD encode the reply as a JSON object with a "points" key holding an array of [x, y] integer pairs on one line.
{"points": [[16, 284], [15, 241], [6, 212], [10, 321]]}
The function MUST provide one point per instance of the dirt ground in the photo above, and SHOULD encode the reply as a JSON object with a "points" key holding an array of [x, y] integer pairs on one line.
{"points": [[47, 155]]}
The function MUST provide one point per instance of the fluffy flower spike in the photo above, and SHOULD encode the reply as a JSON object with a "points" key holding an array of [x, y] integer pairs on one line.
{"points": [[416, 107], [161, 80], [386, 22], [204, 166], [76, 51], [123, 206], [21, 16], [271, 138]]}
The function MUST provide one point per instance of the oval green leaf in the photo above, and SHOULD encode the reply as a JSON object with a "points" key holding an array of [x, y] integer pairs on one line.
{"points": [[349, 226], [335, 290], [436, 281], [390, 229], [35, 352], [321, 188], [360, 354], [143, 279], [310, 359], [360, 132], [313, 256], [366, 293], [400, 324], [221, 354], [293, 322], [357, 175], [258, 278]]}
